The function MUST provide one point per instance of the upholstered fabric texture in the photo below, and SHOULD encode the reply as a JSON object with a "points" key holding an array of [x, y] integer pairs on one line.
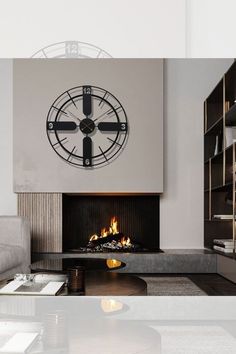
{"points": [[14, 245]]}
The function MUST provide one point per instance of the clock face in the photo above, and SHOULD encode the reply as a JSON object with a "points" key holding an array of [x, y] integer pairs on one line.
{"points": [[87, 126], [71, 49]]}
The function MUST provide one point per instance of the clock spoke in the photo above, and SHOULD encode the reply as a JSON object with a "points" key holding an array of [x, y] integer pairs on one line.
{"points": [[87, 151], [112, 127], [103, 153], [71, 126], [72, 99], [87, 101]]}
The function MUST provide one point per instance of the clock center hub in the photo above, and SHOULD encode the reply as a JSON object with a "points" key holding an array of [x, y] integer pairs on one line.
{"points": [[87, 126]]}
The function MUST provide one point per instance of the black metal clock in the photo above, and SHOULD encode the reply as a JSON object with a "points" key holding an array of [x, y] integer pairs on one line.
{"points": [[87, 126]]}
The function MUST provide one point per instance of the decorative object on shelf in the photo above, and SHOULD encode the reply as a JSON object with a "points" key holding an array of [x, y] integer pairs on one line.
{"points": [[219, 143], [223, 217], [87, 126], [76, 279], [224, 245], [230, 136], [227, 106]]}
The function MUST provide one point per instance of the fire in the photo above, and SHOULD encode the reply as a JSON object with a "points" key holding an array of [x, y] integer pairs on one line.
{"points": [[113, 229], [125, 241], [114, 225], [104, 232], [93, 237]]}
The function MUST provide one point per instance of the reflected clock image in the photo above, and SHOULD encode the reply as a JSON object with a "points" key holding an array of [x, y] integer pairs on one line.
{"points": [[87, 126]]}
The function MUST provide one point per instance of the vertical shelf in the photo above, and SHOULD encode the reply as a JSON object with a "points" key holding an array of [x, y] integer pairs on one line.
{"points": [[220, 161], [214, 105], [217, 175]]}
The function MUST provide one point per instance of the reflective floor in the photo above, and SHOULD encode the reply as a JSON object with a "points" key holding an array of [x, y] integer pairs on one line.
{"points": [[118, 325]]}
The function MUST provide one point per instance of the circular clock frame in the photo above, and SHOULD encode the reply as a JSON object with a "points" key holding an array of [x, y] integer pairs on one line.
{"points": [[71, 49], [111, 126]]}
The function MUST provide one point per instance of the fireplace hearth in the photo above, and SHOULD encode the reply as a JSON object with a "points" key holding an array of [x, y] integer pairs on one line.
{"points": [[131, 223]]}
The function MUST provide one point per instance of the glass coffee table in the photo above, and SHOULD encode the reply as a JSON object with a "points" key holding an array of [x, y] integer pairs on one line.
{"points": [[100, 278], [63, 264]]}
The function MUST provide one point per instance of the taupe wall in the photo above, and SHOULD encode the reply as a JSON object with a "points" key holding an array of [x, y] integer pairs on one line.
{"points": [[138, 85]]}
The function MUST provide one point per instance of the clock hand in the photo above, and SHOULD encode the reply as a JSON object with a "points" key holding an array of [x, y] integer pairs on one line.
{"points": [[112, 127], [87, 101], [61, 126], [101, 115], [72, 115], [87, 151]]}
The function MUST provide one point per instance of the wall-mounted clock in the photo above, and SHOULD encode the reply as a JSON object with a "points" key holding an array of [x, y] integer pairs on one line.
{"points": [[71, 49], [87, 126]]}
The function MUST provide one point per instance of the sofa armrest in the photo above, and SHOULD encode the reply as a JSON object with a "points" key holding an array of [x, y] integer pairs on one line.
{"points": [[15, 231]]}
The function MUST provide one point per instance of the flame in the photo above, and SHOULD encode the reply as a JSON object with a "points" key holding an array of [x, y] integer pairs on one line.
{"points": [[125, 241], [93, 237], [114, 225], [112, 230], [104, 232]]}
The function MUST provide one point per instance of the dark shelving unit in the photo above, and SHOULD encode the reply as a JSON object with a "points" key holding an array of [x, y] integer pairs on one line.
{"points": [[219, 160]]}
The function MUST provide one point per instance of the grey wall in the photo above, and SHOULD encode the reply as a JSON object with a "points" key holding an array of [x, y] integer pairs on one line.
{"points": [[187, 83], [138, 85]]}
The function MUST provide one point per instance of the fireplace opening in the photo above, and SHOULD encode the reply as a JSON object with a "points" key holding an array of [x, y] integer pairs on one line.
{"points": [[93, 223]]}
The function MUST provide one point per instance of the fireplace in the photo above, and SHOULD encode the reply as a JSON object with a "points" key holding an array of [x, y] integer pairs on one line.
{"points": [[111, 223]]}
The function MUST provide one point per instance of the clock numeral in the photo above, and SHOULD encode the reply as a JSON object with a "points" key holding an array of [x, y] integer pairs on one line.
{"points": [[72, 49], [87, 90], [87, 100]]}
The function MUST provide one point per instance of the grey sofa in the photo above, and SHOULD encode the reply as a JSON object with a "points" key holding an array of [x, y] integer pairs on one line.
{"points": [[14, 246]]}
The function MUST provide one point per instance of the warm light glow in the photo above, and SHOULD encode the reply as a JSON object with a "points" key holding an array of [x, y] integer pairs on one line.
{"points": [[114, 225], [125, 241], [93, 237], [110, 305], [104, 232], [113, 230], [113, 263]]}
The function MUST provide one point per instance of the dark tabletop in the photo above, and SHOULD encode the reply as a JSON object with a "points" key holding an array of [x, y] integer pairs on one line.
{"points": [[63, 264]]}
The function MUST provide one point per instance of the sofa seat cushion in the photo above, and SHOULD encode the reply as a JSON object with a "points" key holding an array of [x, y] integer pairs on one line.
{"points": [[10, 257]]}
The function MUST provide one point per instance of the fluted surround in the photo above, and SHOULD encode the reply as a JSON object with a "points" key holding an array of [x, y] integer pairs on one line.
{"points": [[44, 211]]}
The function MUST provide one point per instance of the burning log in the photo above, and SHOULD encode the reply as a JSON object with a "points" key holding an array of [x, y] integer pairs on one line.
{"points": [[109, 238]]}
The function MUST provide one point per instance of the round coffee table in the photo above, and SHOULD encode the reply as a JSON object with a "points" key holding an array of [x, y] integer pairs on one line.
{"points": [[99, 280], [111, 284], [63, 264]]}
